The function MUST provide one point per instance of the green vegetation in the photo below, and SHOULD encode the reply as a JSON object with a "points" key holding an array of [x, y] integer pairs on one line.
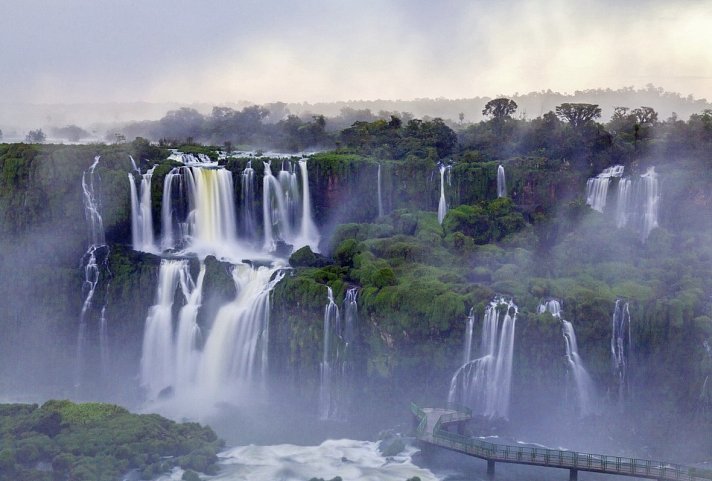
{"points": [[98, 442]]}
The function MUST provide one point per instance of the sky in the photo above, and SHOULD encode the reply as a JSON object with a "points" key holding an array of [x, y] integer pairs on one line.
{"points": [[217, 51]]}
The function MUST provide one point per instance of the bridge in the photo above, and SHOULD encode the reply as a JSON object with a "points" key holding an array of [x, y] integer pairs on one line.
{"points": [[438, 426]]}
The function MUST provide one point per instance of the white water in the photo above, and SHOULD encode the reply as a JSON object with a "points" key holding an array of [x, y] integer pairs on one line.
{"points": [[332, 324], [469, 328], [637, 199], [141, 215], [96, 241], [597, 187], [484, 384], [582, 383], [349, 459], [380, 194], [501, 182], [248, 216], [171, 233], [621, 348], [233, 360], [285, 218], [442, 204]]}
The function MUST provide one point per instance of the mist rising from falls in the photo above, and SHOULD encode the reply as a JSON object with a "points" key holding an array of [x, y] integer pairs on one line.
{"points": [[501, 182], [141, 215], [442, 204], [585, 396], [621, 348], [484, 384], [96, 246], [636, 199], [332, 323]]}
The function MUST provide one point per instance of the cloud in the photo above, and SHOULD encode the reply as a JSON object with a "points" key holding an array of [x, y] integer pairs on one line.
{"points": [[224, 51]]}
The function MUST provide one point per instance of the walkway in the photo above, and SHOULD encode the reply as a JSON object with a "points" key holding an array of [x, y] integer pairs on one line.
{"points": [[433, 429]]}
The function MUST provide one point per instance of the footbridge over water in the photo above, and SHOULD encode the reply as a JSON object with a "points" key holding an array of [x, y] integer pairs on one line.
{"points": [[439, 426]]}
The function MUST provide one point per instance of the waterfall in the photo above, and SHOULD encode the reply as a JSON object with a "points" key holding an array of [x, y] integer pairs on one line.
{"points": [[442, 205], [621, 348], [582, 380], [96, 242], [332, 323], [485, 383], [234, 355], [236, 348], [583, 385], [501, 182], [170, 232], [141, 215], [637, 199], [705, 407], [469, 328], [279, 207], [651, 196], [212, 220], [380, 195], [597, 187], [247, 198], [552, 306], [309, 232], [157, 361]]}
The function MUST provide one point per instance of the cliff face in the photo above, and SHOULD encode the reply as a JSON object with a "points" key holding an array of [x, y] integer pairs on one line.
{"points": [[418, 280]]}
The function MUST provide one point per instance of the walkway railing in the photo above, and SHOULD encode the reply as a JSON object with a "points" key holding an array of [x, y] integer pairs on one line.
{"points": [[550, 457]]}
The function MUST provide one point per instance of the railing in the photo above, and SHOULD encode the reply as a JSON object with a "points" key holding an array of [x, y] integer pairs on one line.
{"points": [[552, 457]]}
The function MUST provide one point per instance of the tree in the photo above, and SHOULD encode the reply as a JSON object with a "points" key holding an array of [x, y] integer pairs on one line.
{"points": [[499, 109], [0, 134], [73, 133], [578, 115], [35, 136], [645, 115]]}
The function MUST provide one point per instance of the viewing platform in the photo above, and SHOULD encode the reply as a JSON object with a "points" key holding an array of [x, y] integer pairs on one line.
{"points": [[435, 426]]}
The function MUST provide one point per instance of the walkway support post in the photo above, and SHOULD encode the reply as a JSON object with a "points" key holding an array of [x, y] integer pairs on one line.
{"points": [[573, 474], [490, 469]]}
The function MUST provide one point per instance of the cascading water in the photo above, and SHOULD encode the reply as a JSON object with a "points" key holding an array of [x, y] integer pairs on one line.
{"points": [[585, 392], [97, 245], [442, 204], [380, 195], [621, 348], [248, 216], [332, 324], [279, 207], [501, 182], [484, 384], [637, 199], [705, 407], [171, 233], [309, 233], [597, 187], [141, 215], [469, 328]]}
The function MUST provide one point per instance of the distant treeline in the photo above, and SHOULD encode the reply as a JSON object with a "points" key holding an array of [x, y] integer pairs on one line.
{"points": [[570, 131]]}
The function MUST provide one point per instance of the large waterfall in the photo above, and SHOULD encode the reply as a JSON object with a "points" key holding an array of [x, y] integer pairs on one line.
{"points": [[621, 348], [442, 204], [332, 324], [582, 383], [484, 384], [637, 199], [233, 359], [501, 182], [96, 246], [187, 357]]}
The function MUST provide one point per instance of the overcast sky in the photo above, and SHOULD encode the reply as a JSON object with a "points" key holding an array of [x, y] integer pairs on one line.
{"points": [[67, 51]]}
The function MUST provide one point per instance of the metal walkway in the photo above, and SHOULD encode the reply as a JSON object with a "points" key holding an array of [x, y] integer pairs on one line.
{"points": [[432, 429]]}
